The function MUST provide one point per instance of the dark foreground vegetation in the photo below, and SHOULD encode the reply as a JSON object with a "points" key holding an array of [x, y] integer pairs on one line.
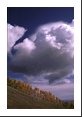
{"points": [[22, 96]]}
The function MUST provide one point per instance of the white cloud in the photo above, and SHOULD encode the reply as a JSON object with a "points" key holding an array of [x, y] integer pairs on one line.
{"points": [[27, 45], [49, 50], [59, 35], [14, 33]]}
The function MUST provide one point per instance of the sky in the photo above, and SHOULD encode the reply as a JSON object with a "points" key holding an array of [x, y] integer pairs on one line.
{"points": [[40, 48]]}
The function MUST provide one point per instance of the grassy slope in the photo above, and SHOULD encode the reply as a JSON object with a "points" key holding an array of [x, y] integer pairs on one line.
{"points": [[18, 99]]}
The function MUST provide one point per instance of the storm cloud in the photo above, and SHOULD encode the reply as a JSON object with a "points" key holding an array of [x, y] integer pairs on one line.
{"points": [[48, 52]]}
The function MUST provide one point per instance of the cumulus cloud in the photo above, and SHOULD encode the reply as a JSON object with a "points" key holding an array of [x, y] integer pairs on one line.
{"points": [[14, 33], [25, 47], [48, 52]]}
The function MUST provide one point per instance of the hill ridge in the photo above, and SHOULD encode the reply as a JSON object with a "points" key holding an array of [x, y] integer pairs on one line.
{"points": [[36, 98]]}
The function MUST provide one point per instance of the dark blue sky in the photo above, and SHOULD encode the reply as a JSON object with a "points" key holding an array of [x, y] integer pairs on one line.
{"points": [[32, 17]]}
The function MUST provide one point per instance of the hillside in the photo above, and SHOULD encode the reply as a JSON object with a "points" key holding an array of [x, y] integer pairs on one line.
{"points": [[23, 96]]}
